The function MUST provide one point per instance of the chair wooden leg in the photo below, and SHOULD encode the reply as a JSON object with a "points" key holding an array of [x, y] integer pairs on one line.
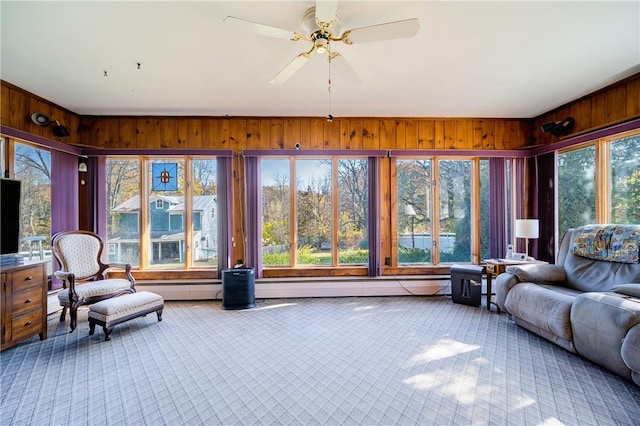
{"points": [[74, 317], [63, 315]]}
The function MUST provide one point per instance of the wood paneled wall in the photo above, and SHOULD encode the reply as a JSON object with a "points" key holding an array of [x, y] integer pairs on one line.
{"points": [[240, 133], [614, 104], [608, 106], [16, 108]]}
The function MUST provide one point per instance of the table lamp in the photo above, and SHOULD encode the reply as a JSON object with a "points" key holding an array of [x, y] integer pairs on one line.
{"points": [[527, 228]]}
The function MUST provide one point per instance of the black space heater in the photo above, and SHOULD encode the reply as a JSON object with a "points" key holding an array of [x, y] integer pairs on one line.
{"points": [[238, 288]]}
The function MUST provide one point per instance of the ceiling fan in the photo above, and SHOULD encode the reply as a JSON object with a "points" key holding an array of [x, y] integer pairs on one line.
{"points": [[321, 26]]}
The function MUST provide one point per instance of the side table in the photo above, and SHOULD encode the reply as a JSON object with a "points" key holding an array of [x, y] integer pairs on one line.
{"points": [[494, 268]]}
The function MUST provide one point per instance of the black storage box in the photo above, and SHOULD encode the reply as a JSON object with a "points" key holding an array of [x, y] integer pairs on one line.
{"points": [[466, 284], [238, 288]]}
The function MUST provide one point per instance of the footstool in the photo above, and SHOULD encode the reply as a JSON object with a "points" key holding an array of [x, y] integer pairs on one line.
{"points": [[116, 310]]}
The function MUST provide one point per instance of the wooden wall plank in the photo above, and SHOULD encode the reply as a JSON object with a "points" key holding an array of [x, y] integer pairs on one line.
{"points": [[426, 134], [5, 104], [438, 135], [488, 134], [195, 133], [331, 134], [633, 98], [387, 131], [238, 134], [253, 134], [293, 133], [316, 133], [210, 133], [370, 134], [182, 140], [355, 133], [411, 134], [450, 131], [127, 133], [401, 134], [615, 104], [277, 134]]}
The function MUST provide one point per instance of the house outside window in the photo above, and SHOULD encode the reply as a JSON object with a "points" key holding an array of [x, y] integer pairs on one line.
{"points": [[162, 213]]}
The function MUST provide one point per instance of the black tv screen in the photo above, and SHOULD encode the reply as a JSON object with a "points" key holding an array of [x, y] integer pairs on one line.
{"points": [[10, 196]]}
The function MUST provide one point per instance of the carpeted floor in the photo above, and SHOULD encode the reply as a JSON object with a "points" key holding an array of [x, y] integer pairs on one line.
{"points": [[330, 361]]}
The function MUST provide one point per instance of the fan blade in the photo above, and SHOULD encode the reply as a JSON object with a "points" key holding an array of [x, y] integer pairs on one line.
{"points": [[260, 29], [343, 69], [389, 31], [326, 10], [291, 68]]}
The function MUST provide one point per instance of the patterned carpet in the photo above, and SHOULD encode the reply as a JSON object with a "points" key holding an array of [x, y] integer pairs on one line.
{"points": [[351, 361]]}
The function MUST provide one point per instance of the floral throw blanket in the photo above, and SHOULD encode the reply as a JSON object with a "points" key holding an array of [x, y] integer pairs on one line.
{"points": [[613, 243]]}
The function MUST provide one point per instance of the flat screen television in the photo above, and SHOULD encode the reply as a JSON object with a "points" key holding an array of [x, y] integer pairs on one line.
{"points": [[10, 197]]}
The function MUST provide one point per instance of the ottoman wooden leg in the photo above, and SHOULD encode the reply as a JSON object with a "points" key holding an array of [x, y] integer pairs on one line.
{"points": [[92, 328]]}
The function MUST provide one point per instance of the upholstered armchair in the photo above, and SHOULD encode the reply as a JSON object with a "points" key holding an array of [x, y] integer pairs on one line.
{"points": [[83, 274]]}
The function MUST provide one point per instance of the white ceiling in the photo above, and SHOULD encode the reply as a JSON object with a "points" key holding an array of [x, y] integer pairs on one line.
{"points": [[469, 59]]}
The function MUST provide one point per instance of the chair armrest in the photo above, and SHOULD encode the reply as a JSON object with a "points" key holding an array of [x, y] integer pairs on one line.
{"points": [[119, 265], [70, 278], [127, 270], [62, 275]]}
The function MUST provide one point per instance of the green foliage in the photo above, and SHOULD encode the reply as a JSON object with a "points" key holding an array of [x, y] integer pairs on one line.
{"points": [[414, 255]]}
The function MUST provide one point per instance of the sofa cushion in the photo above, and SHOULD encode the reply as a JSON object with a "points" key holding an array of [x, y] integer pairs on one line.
{"points": [[632, 290], [612, 243], [547, 307]]}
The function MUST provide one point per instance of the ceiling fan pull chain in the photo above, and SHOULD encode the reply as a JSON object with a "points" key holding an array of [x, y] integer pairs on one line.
{"points": [[329, 116]]}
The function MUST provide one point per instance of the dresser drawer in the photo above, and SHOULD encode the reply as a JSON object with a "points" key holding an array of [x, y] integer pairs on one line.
{"points": [[27, 324], [26, 300], [26, 278]]}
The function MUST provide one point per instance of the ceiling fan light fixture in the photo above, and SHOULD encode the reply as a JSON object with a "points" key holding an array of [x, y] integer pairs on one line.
{"points": [[321, 43]]}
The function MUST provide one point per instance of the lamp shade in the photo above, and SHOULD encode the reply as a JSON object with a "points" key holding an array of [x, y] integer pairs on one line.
{"points": [[526, 228], [409, 211]]}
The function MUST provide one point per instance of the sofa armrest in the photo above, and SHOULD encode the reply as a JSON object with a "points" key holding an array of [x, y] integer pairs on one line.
{"points": [[539, 273], [531, 272], [504, 282]]}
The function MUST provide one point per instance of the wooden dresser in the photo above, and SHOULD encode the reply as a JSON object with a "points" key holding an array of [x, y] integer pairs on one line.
{"points": [[23, 293]]}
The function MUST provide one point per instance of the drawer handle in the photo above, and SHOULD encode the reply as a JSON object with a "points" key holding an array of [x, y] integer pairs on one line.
{"points": [[28, 323], [29, 278], [28, 301]]}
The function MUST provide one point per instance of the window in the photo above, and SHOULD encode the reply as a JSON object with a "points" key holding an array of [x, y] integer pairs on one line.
{"points": [[422, 229], [576, 188], [162, 214], [276, 213], [123, 210], [204, 227], [625, 180], [33, 168], [353, 214], [455, 210], [485, 234], [414, 211], [329, 220]]}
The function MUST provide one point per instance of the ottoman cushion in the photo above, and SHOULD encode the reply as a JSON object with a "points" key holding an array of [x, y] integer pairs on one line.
{"points": [[125, 306]]}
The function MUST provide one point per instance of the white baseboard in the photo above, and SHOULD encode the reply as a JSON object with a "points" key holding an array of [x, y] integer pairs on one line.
{"points": [[321, 287]]}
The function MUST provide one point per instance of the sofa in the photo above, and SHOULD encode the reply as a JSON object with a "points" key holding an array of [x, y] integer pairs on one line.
{"points": [[588, 302]]}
